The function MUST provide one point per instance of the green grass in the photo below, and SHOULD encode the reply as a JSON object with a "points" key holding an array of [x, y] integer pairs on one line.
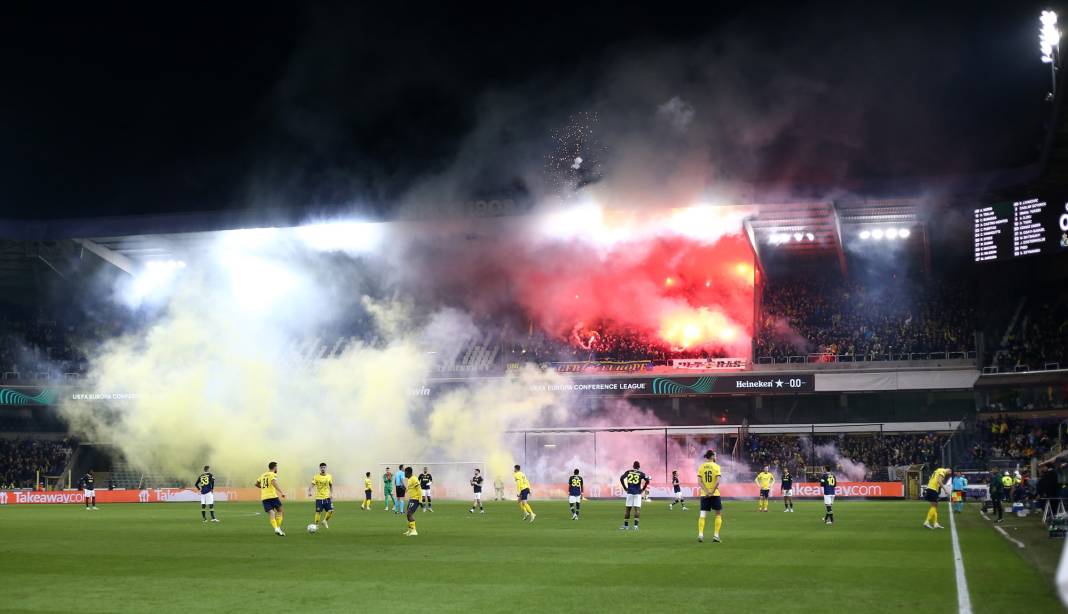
{"points": [[160, 558]]}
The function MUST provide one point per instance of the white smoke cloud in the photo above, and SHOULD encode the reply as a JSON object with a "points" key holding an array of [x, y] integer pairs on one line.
{"points": [[214, 378]]}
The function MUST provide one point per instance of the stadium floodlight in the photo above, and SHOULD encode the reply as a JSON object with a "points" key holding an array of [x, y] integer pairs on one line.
{"points": [[1049, 39], [904, 233], [865, 235], [891, 233], [810, 237], [877, 234], [798, 236]]}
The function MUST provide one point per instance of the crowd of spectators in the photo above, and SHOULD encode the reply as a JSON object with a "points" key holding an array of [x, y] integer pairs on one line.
{"points": [[864, 455], [871, 320], [21, 459], [1005, 437], [1040, 338]]}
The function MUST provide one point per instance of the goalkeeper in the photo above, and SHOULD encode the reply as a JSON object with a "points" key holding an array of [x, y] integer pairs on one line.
{"points": [[387, 489]]}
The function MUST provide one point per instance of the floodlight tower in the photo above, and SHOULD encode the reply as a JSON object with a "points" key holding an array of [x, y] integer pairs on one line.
{"points": [[1049, 38]]}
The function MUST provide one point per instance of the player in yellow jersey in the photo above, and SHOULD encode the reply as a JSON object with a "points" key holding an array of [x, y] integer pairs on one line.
{"points": [[367, 491], [931, 493], [323, 485], [708, 476], [764, 479], [522, 488], [271, 496], [415, 496]]}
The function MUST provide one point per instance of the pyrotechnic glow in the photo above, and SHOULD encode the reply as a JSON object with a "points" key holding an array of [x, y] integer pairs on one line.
{"points": [[623, 289], [691, 328], [743, 270]]}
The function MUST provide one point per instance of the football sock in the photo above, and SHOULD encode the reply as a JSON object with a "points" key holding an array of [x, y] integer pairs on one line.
{"points": [[718, 524], [577, 507], [701, 525], [331, 513], [279, 521], [212, 508], [203, 514], [934, 514], [625, 522], [274, 523], [316, 517]]}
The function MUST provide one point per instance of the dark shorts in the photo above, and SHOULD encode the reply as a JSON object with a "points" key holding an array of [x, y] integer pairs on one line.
{"points": [[709, 504], [401, 490], [324, 505], [413, 505], [765, 492], [930, 495], [677, 490], [366, 494], [524, 494], [272, 504]]}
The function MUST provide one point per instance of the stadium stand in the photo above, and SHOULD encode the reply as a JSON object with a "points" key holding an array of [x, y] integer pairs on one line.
{"points": [[21, 459], [1008, 438], [877, 321], [1036, 338], [870, 455]]}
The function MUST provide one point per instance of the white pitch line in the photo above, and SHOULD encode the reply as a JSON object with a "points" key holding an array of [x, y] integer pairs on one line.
{"points": [[964, 600], [1019, 544]]}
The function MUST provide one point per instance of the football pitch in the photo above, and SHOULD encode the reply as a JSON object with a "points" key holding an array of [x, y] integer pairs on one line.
{"points": [[162, 558]]}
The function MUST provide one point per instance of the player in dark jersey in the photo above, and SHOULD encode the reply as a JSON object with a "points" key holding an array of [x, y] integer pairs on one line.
{"points": [[634, 482], [574, 494], [678, 492], [88, 485], [997, 494], [402, 489], [828, 482], [425, 481], [476, 484], [787, 490], [206, 484]]}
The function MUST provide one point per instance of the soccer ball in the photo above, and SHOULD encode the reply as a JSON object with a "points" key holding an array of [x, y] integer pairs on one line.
{"points": [[312, 528]]}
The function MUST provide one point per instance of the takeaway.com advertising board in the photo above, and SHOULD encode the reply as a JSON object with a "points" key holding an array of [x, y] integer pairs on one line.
{"points": [[540, 491]]}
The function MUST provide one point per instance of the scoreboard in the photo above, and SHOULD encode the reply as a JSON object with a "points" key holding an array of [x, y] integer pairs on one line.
{"points": [[1005, 231]]}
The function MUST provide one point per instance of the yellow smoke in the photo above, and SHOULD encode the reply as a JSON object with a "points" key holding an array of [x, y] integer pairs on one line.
{"points": [[211, 384]]}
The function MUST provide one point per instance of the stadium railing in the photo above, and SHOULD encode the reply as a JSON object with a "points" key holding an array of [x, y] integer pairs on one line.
{"points": [[850, 358]]}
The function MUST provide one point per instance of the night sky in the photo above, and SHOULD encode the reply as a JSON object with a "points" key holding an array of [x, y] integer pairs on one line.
{"points": [[131, 109]]}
